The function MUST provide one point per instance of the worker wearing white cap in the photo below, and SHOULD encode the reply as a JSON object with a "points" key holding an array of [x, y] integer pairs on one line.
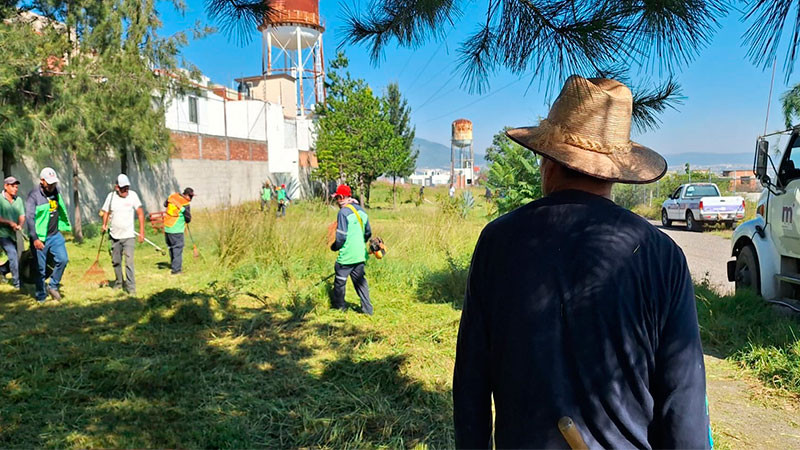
{"points": [[120, 206], [46, 217]]}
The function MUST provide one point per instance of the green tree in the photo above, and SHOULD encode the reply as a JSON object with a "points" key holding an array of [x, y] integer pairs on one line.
{"points": [[790, 101], [514, 176], [108, 101], [23, 87], [403, 158], [354, 138]]}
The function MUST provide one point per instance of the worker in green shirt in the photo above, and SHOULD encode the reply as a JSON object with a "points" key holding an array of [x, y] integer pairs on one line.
{"points": [[283, 200], [266, 196], [352, 233], [12, 216]]}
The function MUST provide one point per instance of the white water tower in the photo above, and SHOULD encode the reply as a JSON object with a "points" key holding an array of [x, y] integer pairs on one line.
{"points": [[291, 39]]}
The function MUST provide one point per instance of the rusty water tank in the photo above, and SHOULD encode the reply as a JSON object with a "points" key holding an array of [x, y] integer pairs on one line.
{"points": [[290, 15], [462, 133]]}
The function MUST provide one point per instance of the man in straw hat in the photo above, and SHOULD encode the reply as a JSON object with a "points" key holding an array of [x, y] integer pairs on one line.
{"points": [[576, 307]]}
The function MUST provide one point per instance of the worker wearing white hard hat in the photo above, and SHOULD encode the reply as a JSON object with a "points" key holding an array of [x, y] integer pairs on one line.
{"points": [[119, 209]]}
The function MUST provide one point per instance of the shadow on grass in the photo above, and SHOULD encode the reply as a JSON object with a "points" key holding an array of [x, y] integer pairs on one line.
{"points": [[745, 328], [446, 285], [191, 369]]}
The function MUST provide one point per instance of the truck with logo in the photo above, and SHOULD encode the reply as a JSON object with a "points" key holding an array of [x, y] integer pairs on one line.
{"points": [[767, 248], [699, 204]]}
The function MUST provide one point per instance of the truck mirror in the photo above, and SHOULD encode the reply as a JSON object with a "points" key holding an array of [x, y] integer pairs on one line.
{"points": [[762, 154]]}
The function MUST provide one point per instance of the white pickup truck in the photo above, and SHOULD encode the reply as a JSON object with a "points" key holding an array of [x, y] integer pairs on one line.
{"points": [[699, 203]]}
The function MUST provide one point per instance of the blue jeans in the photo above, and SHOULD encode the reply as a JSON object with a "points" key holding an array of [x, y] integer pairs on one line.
{"points": [[10, 246], [54, 245]]}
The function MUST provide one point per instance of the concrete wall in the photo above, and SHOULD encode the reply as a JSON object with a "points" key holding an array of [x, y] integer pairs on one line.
{"points": [[216, 183], [224, 161]]}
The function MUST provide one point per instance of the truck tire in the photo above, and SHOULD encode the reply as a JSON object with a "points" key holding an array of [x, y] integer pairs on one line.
{"points": [[691, 224], [747, 274], [665, 219]]}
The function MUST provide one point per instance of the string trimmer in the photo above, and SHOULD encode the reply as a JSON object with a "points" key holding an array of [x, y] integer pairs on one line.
{"points": [[161, 250]]}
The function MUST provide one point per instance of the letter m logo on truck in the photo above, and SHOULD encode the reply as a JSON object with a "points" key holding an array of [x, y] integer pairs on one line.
{"points": [[786, 216]]}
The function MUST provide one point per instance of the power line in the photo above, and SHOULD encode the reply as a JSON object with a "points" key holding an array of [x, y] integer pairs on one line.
{"points": [[425, 66], [484, 97]]}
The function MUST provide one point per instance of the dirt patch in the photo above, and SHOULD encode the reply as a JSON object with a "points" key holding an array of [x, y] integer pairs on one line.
{"points": [[746, 414]]}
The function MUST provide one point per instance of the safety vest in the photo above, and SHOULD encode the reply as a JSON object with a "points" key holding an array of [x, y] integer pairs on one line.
{"points": [[175, 204]]}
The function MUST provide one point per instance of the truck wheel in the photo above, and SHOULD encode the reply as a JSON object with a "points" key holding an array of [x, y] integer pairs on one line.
{"points": [[665, 219], [746, 274], [691, 224]]}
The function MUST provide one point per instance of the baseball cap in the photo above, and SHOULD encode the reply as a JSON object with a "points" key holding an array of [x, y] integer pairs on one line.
{"points": [[10, 180], [48, 175], [122, 180], [189, 192], [342, 190]]}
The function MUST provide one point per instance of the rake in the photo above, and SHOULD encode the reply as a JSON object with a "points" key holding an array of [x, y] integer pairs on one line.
{"points": [[95, 274], [195, 251]]}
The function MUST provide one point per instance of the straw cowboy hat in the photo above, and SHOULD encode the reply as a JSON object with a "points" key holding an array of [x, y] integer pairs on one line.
{"points": [[588, 130]]}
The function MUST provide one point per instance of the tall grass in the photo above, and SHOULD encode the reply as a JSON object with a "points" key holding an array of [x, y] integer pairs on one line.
{"points": [[749, 331]]}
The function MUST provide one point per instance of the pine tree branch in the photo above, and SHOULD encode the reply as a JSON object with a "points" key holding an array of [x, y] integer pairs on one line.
{"points": [[555, 38], [238, 19], [648, 104]]}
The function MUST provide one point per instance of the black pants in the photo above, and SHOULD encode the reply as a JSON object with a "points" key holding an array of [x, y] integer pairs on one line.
{"points": [[356, 272], [175, 244]]}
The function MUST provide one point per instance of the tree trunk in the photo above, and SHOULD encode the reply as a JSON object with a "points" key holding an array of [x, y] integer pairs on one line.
{"points": [[8, 161], [124, 161], [77, 231], [394, 192]]}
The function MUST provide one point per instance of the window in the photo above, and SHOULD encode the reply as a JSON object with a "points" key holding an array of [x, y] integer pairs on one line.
{"points": [[193, 109], [701, 190], [790, 166], [677, 193]]}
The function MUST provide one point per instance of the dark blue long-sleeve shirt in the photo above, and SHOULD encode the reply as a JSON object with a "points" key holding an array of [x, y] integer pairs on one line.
{"points": [[577, 307]]}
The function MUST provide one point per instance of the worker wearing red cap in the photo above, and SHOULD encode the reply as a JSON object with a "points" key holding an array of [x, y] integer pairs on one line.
{"points": [[283, 200], [352, 233]]}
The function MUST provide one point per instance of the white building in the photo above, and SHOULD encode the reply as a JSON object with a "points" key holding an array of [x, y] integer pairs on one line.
{"points": [[430, 177]]}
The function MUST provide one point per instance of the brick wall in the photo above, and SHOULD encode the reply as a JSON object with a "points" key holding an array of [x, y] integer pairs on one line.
{"points": [[240, 150], [259, 151], [214, 148], [188, 146]]}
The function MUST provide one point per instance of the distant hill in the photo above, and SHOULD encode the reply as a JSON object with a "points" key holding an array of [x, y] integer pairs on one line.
{"points": [[714, 161], [433, 155]]}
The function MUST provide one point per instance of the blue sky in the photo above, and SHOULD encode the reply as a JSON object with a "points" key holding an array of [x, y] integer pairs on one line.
{"points": [[723, 112]]}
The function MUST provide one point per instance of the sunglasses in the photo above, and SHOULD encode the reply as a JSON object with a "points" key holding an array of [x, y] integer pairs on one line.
{"points": [[124, 189]]}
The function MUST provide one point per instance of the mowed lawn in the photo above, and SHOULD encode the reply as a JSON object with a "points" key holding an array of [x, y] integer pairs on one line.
{"points": [[242, 350]]}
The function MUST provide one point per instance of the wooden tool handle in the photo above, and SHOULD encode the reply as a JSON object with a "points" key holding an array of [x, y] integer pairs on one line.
{"points": [[571, 434]]}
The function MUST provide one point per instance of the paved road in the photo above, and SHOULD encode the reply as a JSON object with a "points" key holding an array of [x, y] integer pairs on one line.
{"points": [[706, 254]]}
